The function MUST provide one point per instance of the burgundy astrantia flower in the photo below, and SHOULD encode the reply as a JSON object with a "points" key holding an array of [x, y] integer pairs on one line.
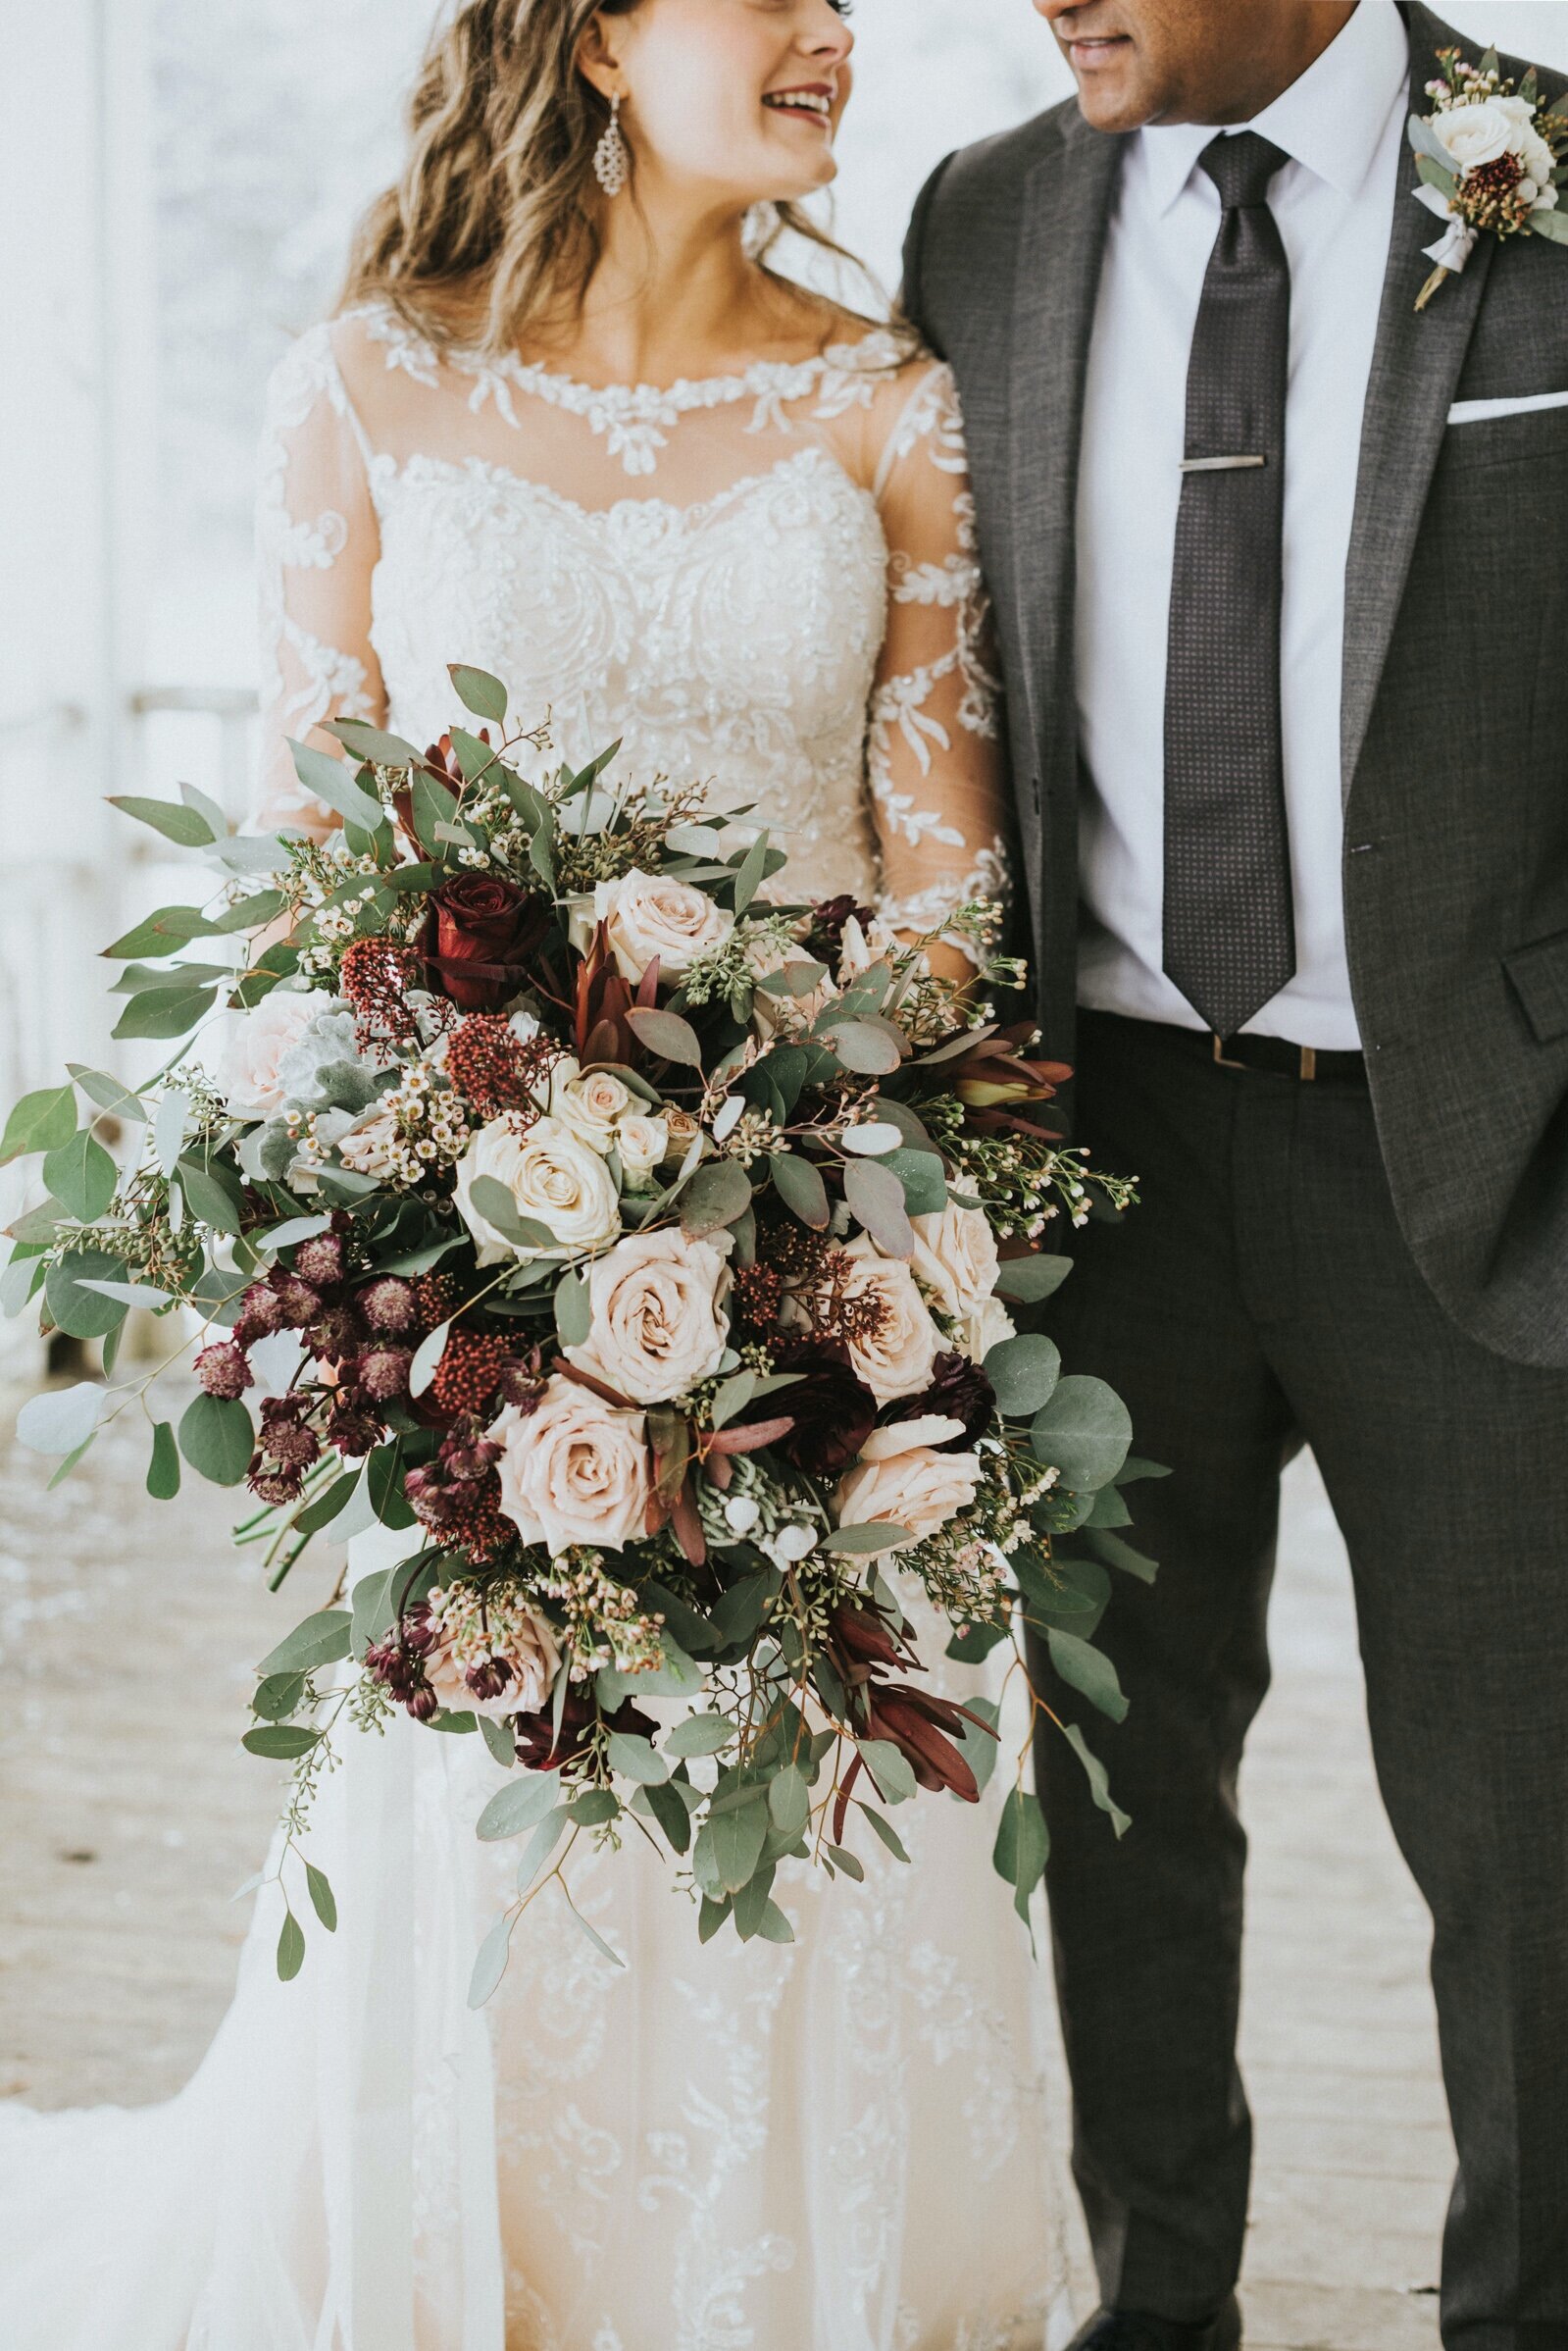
{"points": [[398, 1662], [225, 1370], [479, 932], [826, 937], [833, 1412], [959, 1391]]}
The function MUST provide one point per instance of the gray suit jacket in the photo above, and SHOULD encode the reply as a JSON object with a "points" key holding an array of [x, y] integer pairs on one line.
{"points": [[1455, 729]]}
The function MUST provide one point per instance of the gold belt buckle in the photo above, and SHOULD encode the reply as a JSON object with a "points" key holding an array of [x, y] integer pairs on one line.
{"points": [[1219, 1054], [1309, 1063]]}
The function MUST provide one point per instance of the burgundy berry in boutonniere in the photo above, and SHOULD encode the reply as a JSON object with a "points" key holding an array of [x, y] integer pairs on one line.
{"points": [[1489, 159]]}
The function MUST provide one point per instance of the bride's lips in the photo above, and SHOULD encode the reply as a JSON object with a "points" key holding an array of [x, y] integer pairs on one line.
{"points": [[810, 102]]}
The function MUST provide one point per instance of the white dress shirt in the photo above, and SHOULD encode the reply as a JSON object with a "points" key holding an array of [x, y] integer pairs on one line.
{"points": [[1343, 127]]}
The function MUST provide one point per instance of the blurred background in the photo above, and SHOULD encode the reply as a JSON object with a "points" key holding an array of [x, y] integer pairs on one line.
{"points": [[179, 180]]}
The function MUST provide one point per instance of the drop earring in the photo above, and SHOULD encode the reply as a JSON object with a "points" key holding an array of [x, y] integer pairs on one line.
{"points": [[612, 162]]}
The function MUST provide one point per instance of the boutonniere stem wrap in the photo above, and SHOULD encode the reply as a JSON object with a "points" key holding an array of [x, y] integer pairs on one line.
{"points": [[1490, 160]]}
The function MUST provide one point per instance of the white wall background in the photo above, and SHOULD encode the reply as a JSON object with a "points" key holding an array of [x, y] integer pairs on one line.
{"points": [[177, 184]]}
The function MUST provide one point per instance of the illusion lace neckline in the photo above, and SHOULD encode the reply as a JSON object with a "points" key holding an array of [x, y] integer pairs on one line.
{"points": [[635, 418]]}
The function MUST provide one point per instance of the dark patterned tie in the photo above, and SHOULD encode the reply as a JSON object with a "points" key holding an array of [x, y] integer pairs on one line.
{"points": [[1230, 924]]}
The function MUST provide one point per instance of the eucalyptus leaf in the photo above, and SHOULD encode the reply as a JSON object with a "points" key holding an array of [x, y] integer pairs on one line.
{"points": [[217, 1439], [717, 1196], [1023, 1847], [427, 1358], [281, 1742], [478, 691], [186, 827], [290, 1948], [40, 1122], [1030, 1279], [1098, 1779], [109, 1094], [80, 1312], [81, 1176], [637, 1759], [666, 1034], [1084, 1432], [1025, 1373], [490, 1964], [891, 1768], [865, 1048], [331, 782], [61, 1419], [876, 1198], [799, 1185], [519, 1807], [1089, 1670], [699, 1734], [319, 1641], [573, 1309], [163, 1470]]}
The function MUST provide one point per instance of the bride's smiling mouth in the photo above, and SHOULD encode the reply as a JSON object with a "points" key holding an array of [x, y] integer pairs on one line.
{"points": [[813, 102]]}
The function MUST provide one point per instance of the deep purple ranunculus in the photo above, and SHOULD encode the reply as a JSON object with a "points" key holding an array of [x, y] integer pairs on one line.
{"points": [[959, 1391], [833, 1412]]}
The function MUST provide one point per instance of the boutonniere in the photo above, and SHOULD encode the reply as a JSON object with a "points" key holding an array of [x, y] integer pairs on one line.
{"points": [[1489, 159]]}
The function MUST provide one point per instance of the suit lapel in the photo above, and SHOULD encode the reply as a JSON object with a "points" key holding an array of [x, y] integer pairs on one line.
{"points": [[1065, 203], [1416, 368]]}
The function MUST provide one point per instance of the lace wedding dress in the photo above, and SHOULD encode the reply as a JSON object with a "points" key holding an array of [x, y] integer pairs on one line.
{"points": [[768, 580]]}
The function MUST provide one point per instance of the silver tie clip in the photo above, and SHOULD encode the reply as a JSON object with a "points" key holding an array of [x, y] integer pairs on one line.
{"points": [[1218, 465]]}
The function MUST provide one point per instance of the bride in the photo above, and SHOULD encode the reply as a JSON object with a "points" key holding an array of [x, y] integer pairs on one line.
{"points": [[569, 425]]}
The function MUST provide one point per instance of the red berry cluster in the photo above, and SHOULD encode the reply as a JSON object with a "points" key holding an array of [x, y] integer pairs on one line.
{"points": [[494, 1069], [376, 977], [469, 1371]]}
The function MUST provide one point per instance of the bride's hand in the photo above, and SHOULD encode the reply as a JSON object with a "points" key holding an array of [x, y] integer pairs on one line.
{"points": [[946, 962]]}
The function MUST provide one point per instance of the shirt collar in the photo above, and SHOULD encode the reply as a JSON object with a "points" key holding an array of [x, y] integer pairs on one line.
{"points": [[1331, 120]]}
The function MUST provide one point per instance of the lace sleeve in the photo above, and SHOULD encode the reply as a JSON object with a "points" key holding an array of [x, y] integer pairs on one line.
{"points": [[317, 541], [935, 757]]}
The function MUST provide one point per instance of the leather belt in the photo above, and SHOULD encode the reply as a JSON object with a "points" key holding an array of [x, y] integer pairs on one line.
{"points": [[1273, 1056]]}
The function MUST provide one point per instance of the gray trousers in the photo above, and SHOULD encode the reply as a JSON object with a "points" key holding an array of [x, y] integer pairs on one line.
{"points": [[1264, 1297]]}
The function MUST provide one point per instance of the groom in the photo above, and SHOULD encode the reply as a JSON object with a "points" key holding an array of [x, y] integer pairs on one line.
{"points": [[1280, 570]]}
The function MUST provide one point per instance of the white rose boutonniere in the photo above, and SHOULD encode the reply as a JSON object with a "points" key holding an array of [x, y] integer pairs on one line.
{"points": [[1490, 161]]}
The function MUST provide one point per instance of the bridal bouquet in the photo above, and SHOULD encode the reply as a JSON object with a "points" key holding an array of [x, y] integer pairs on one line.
{"points": [[641, 1250]]}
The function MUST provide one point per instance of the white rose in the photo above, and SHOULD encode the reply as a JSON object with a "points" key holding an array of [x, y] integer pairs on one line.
{"points": [[642, 1142], [1473, 134], [1526, 141], [896, 1360], [658, 1326], [576, 1471], [648, 917], [251, 1076], [955, 1257], [552, 1177], [987, 1327], [592, 1106], [523, 1639], [913, 1486]]}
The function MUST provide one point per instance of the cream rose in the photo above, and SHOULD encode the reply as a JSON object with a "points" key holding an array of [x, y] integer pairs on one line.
{"points": [[955, 1257], [987, 1327], [576, 1471], [658, 1323], [592, 1106], [1489, 127], [896, 1360], [552, 1177], [646, 916], [469, 1637], [901, 1481], [251, 1076], [642, 1142]]}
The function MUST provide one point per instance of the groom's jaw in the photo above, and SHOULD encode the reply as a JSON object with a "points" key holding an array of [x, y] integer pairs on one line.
{"points": [[1187, 61]]}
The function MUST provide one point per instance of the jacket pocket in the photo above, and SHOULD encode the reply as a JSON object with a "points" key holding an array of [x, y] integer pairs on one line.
{"points": [[1540, 979]]}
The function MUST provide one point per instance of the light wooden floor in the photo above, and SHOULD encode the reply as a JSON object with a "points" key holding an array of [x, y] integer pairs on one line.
{"points": [[128, 1815]]}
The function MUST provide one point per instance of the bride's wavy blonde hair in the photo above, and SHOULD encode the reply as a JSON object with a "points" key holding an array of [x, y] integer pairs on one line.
{"points": [[495, 222]]}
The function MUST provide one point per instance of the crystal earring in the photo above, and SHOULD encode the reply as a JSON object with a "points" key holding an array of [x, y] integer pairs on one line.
{"points": [[612, 163]]}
